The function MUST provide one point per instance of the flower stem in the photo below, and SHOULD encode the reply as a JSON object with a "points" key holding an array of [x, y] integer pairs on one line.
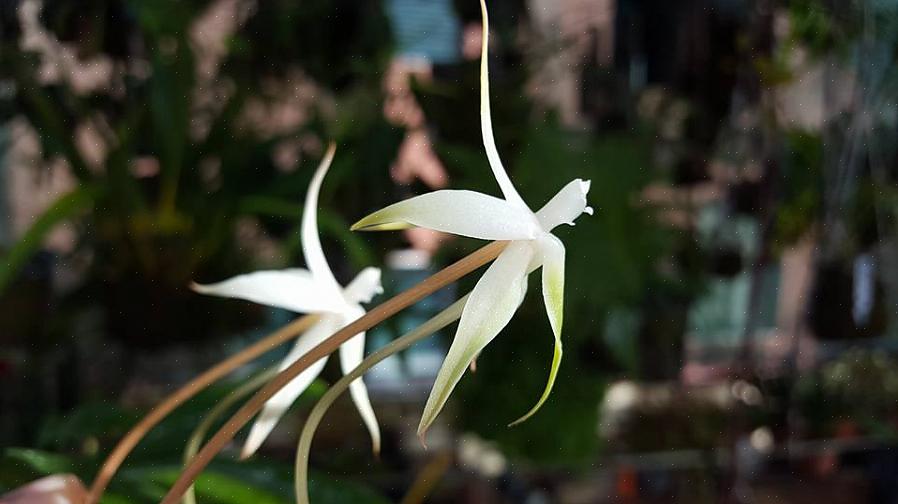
{"points": [[196, 438], [439, 321], [180, 396], [377, 315]]}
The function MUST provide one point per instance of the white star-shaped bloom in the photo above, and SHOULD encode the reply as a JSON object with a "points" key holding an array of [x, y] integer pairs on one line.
{"points": [[314, 291]]}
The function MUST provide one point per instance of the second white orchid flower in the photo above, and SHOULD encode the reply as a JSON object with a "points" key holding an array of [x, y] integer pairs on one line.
{"points": [[499, 293], [313, 291]]}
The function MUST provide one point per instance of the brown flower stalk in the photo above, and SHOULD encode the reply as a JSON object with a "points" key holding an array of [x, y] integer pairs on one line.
{"points": [[377, 315], [124, 447]]}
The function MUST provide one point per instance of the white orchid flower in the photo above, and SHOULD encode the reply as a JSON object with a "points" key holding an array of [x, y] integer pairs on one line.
{"points": [[313, 291], [498, 294]]}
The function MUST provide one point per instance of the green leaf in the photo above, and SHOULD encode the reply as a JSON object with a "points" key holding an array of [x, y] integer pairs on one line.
{"points": [[39, 461], [64, 208], [217, 487]]}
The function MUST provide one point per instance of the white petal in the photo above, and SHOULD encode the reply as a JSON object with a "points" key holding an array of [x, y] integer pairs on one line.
{"points": [[291, 289], [565, 206], [311, 243], [364, 286], [551, 252], [279, 403], [486, 120], [351, 355], [465, 213], [490, 307]]}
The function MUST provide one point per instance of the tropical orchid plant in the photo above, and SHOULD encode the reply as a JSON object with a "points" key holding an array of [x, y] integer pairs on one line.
{"points": [[313, 291], [339, 321], [500, 291]]}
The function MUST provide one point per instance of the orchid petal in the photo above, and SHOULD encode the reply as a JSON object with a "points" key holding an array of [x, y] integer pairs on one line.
{"points": [[292, 289], [552, 254], [311, 243], [565, 206], [364, 286], [275, 408], [490, 307], [486, 120], [460, 212], [352, 352]]}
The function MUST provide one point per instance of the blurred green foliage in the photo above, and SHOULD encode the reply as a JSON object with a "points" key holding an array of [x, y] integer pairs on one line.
{"points": [[860, 387], [152, 234], [812, 24], [75, 443], [800, 204]]}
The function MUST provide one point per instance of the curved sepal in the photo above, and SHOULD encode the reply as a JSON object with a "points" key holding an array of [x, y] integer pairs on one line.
{"points": [[459, 212], [292, 289], [311, 242], [492, 303], [279, 403], [486, 119], [352, 353], [552, 253]]}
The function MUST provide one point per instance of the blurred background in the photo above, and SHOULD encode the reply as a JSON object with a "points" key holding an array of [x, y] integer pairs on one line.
{"points": [[731, 328]]}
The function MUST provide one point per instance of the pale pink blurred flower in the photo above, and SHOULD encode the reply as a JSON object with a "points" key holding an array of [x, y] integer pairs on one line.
{"points": [[417, 160], [56, 489], [60, 62]]}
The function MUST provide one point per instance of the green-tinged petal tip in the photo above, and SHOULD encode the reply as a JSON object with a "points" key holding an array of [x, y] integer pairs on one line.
{"points": [[553, 253], [553, 372], [376, 222]]}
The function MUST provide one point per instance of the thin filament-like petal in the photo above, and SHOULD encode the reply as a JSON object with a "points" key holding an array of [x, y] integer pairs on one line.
{"points": [[279, 403], [552, 253], [490, 306], [460, 212], [364, 286], [486, 120], [351, 355], [565, 206], [311, 243], [292, 289]]}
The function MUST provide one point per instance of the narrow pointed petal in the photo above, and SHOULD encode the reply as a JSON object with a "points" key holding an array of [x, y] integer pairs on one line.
{"points": [[565, 206], [491, 305], [311, 243], [291, 289], [351, 355], [275, 408], [552, 253], [465, 213], [364, 286], [486, 120]]}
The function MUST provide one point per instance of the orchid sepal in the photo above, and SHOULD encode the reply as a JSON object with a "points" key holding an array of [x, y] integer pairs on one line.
{"points": [[456, 212]]}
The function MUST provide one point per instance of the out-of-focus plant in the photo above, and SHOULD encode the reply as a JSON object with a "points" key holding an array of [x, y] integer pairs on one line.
{"points": [[812, 24], [800, 205], [684, 423], [861, 386], [168, 149], [162, 192], [70, 444]]}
